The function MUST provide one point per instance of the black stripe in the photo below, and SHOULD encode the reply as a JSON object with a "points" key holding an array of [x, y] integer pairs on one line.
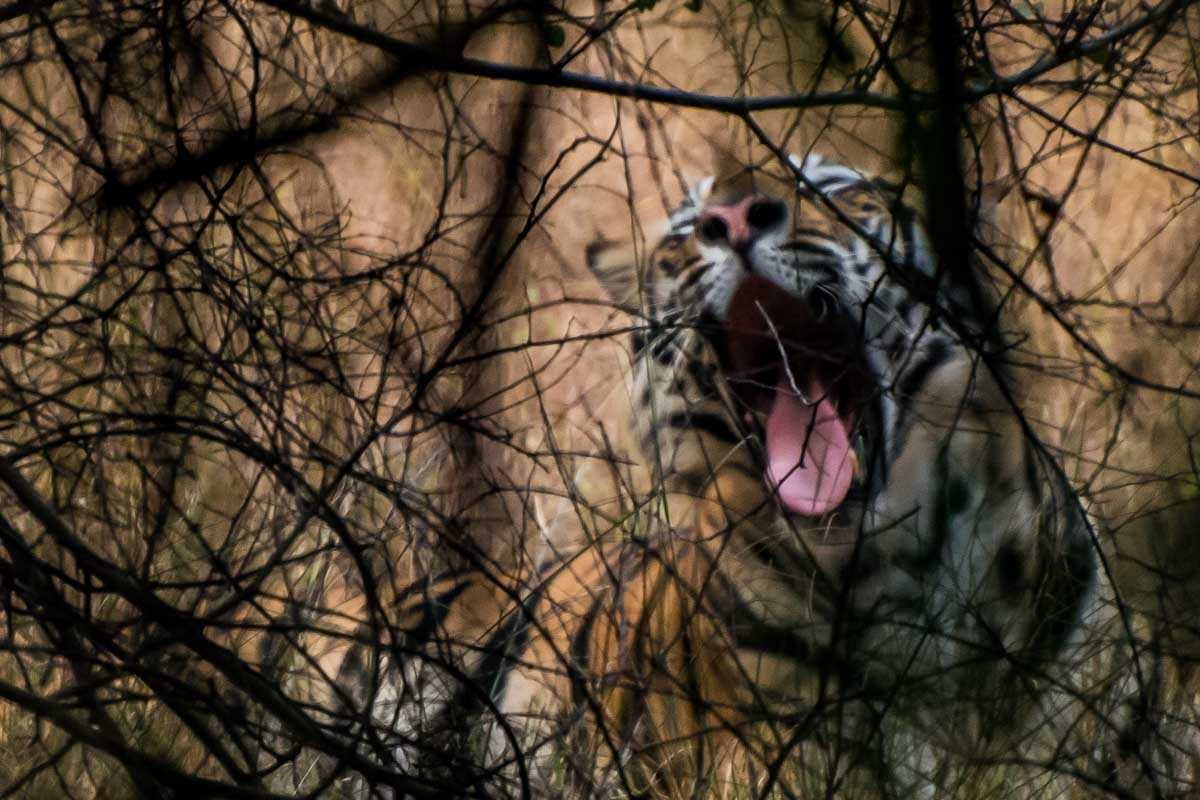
{"points": [[422, 589], [876, 463], [815, 233], [713, 330], [764, 552], [695, 695], [921, 262], [501, 652], [817, 246], [693, 277], [701, 372], [435, 610], [937, 353], [1068, 568], [752, 632], [884, 187], [940, 525], [580, 650], [909, 386], [637, 342], [663, 350], [712, 424]]}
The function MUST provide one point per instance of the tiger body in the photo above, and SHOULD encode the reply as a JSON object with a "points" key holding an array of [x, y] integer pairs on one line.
{"points": [[849, 507], [850, 526]]}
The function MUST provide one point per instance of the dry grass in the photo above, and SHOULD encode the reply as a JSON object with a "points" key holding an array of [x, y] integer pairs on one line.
{"points": [[297, 309]]}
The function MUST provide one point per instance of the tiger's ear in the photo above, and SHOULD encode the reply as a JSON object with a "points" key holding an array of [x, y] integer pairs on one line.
{"points": [[615, 265]]}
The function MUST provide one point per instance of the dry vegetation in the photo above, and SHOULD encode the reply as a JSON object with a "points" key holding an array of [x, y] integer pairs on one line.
{"points": [[291, 315]]}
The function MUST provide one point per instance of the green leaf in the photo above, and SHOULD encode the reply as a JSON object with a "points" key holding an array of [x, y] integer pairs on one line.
{"points": [[1101, 56], [555, 35]]}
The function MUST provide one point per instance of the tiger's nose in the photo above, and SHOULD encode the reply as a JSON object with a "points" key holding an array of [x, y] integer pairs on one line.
{"points": [[740, 224]]}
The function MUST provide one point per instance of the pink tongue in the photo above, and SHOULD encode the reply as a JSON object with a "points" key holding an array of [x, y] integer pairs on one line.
{"points": [[815, 434]]}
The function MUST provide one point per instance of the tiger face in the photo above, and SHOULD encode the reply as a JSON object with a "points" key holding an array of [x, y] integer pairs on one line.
{"points": [[779, 305]]}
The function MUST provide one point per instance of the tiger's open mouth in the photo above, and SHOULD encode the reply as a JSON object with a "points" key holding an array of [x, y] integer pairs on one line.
{"points": [[803, 382]]}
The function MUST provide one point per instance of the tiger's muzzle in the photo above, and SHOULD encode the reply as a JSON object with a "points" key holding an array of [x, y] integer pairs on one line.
{"points": [[800, 374]]}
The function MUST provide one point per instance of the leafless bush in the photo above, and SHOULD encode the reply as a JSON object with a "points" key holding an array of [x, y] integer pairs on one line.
{"points": [[294, 316]]}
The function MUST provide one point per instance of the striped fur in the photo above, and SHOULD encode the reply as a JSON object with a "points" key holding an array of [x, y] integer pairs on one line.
{"points": [[715, 632], [955, 573]]}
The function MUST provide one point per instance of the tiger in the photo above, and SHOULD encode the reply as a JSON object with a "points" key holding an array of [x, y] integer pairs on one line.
{"points": [[853, 533], [851, 517]]}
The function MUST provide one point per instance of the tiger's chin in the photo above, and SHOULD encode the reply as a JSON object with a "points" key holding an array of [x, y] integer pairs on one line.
{"points": [[799, 376]]}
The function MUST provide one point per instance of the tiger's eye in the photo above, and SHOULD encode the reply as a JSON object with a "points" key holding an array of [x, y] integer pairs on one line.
{"points": [[668, 253]]}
